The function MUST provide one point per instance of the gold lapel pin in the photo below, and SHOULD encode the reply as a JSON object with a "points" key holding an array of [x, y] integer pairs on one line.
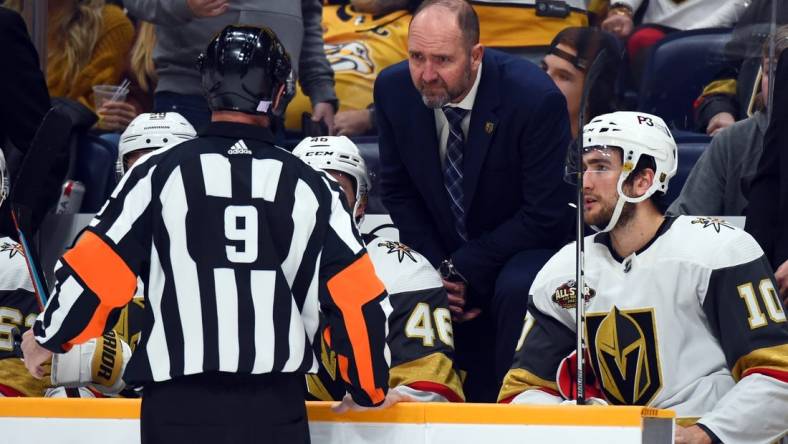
{"points": [[489, 127]]}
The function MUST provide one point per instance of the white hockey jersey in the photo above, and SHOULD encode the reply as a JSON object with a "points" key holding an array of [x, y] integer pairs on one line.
{"points": [[692, 322], [419, 338], [18, 308], [690, 14]]}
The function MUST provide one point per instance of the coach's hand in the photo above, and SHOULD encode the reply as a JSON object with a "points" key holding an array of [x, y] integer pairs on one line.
{"points": [[347, 403], [691, 435], [456, 292], [34, 354]]}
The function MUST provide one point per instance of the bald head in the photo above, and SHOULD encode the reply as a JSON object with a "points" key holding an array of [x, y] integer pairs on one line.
{"points": [[461, 18]]}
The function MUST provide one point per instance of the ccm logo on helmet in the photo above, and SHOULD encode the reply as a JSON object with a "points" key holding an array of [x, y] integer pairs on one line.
{"points": [[319, 153]]}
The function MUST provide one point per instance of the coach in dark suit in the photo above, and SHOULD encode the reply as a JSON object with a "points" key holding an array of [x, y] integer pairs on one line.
{"points": [[472, 146]]}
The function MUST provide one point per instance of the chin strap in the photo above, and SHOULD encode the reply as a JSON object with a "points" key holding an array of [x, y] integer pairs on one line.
{"points": [[614, 218]]}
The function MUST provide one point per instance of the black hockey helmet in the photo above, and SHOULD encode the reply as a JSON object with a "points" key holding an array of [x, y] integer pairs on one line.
{"points": [[243, 69]]}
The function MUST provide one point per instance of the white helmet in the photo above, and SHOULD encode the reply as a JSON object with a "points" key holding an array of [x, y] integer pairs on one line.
{"points": [[153, 131], [636, 134], [336, 153], [4, 180]]}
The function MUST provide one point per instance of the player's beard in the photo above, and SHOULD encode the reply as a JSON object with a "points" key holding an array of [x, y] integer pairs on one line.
{"points": [[602, 217], [445, 94]]}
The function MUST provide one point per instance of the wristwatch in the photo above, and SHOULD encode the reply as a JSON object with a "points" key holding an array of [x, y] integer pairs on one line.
{"points": [[449, 272]]}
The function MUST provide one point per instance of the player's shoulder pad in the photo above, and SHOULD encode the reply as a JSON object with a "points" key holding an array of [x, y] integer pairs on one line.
{"points": [[400, 268], [711, 242], [558, 270]]}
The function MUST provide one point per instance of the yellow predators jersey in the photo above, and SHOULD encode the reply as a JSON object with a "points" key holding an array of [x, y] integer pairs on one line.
{"points": [[511, 23], [358, 46]]}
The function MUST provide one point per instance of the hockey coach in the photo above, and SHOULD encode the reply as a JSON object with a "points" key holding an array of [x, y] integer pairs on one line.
{"points": [[237, 243]]}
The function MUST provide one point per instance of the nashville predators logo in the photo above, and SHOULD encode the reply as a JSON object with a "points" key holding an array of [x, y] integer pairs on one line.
{"points": [[401, 250], [565, 295], [624, 354], [351, 56]]}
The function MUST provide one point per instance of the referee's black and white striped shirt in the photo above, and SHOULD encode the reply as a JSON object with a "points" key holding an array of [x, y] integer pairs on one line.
{"points": [[238, 244]]}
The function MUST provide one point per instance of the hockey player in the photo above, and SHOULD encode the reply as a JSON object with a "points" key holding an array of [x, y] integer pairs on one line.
{"points": [[420, 337], [681, 313], [148, 132], [18, 310]]}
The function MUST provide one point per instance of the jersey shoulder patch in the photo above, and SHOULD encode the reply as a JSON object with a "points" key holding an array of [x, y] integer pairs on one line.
{"points": [[13, 268], [711, 242], [400, 268]]}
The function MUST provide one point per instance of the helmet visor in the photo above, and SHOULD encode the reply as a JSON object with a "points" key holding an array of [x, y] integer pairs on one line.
{"points": [[596, 159]]}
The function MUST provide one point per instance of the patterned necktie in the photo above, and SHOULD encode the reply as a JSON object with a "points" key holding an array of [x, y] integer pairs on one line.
{"points": [[452, 169]]}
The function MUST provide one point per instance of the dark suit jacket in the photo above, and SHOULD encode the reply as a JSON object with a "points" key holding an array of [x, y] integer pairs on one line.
{"points": [[514, 195], [24, 98]]}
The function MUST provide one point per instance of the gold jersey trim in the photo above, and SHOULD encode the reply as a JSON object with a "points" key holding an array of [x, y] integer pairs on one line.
{"points": [[775, 358], [518, 380], [436, 368]]}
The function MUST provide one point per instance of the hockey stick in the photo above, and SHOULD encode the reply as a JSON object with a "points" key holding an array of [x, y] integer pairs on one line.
{"points": [[35, 191], [593, 73]]}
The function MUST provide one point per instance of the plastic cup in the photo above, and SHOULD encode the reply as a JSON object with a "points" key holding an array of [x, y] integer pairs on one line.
{"points": [[104, 93]]}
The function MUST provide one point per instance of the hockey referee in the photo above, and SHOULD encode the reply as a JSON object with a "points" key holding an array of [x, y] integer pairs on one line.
{"points": [[238, 244]]}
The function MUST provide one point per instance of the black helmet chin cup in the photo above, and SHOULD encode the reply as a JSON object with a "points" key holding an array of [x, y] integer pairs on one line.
{"points": [[243, 67]]}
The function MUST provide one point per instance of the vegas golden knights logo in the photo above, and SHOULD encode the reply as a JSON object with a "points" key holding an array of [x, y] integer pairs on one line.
{"points": [[624, 353]]}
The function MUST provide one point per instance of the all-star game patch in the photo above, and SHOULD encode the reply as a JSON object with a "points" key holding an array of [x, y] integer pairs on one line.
{"points": [[713, 222], [400, 249], [565, 295], [11, 248]]}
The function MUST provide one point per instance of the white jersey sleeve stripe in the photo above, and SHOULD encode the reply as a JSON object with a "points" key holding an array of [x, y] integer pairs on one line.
{"points": [[304, 215], [138, 199], [341, 222], [66, 296], [187, 289]]}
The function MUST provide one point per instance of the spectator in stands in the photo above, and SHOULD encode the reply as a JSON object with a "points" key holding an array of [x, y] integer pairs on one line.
{"points": [[87, 45], [719, 181], [728, 98], [141, 72], [567, 62], [472, 147], [24, 94], [767, 211], [508, 24], [183, 29], [361, 38], [661, 17]]}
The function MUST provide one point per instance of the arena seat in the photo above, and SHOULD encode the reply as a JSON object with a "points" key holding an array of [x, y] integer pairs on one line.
{"points": [[690, 147], [678, 68]]}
